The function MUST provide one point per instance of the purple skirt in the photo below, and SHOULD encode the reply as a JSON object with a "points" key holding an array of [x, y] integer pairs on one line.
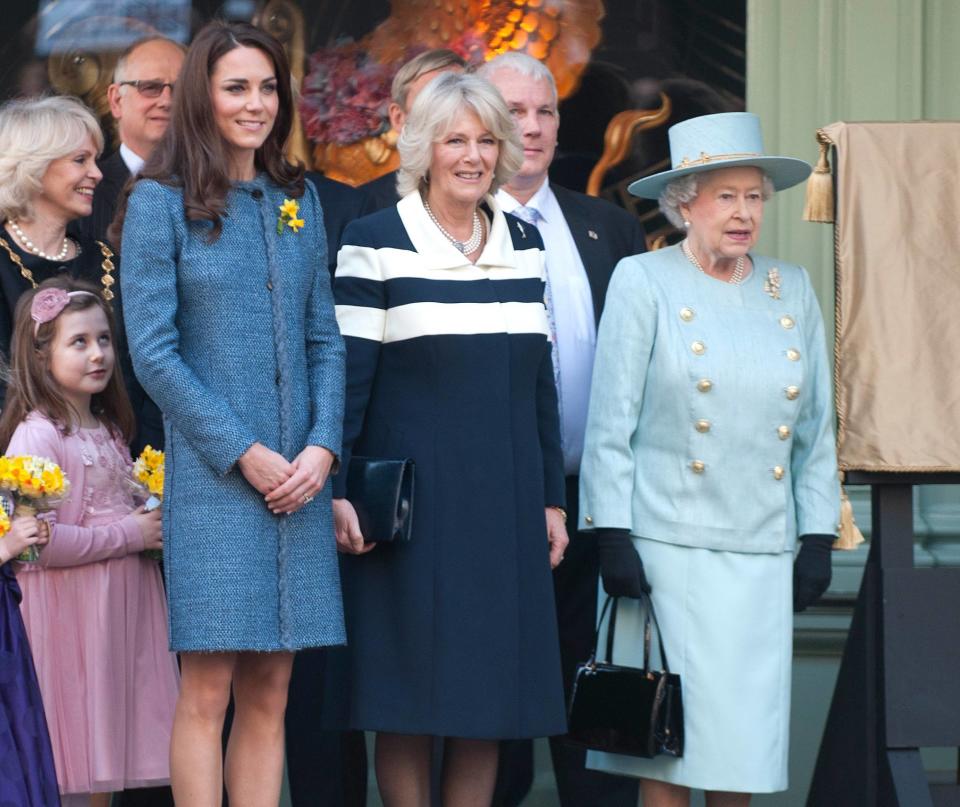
{"points": [[27, 775]]}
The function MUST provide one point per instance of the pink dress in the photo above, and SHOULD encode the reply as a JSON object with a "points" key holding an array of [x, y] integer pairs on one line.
{"points": [[95, 613]]}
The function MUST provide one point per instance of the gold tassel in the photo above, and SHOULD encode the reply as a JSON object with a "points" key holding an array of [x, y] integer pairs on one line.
{"points": [[850, 535], [819, 206]]}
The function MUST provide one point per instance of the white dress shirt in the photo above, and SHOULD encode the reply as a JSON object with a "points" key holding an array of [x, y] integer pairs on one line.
{"points": [[131, 159], [573, 315]]}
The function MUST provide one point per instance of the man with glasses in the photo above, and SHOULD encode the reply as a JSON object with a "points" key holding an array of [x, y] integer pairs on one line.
{"points": [[140, 103]]}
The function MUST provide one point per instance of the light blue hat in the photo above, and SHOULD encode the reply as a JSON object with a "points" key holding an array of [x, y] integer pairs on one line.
{"points": [[725, 140]]}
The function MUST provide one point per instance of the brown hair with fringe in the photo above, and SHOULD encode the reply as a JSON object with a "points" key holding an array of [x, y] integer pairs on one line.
{"points": [[31, 386], [193, 154]]}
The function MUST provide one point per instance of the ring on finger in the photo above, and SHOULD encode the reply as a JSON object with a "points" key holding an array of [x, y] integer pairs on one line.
{"points": [[307, 499]]}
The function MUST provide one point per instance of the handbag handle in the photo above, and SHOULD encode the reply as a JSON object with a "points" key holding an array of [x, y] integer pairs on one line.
{"points": [[651, 617]]}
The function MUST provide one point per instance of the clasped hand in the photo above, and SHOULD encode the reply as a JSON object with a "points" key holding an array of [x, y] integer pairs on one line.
{"points": [[25, 531], [286, 486]]}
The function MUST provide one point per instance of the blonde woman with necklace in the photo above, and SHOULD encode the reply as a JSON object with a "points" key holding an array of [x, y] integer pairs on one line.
{"points": [[440, 300]]}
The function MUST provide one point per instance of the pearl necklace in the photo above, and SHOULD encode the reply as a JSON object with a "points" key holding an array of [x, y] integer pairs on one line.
{"points": [[23, 239], [466, 247], [736, 277]]}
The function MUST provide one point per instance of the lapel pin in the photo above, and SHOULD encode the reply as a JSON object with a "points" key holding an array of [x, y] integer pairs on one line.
{"points": [[593, 234]]}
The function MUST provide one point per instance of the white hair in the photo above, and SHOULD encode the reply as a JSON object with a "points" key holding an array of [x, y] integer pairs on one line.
{"points": [[435, 112], [684, 190], [33, 133], [521, 63]]}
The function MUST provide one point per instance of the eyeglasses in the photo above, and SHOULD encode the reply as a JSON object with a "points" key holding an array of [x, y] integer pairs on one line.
{"points": [[149, 88]]}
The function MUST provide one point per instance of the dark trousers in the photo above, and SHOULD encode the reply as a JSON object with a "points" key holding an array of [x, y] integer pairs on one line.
{"points": [[324, 767], [144, 797], [575, 589]]}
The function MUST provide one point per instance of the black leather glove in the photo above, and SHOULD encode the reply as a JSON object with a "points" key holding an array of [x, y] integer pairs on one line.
{"points": [[811, 570], [620, 566]]}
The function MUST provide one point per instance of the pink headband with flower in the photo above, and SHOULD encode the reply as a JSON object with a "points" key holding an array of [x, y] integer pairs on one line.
{"points": [[49, 303]]}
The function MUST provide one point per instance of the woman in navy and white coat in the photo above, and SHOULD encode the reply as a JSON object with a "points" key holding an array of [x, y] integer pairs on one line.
{"points": [[709, 452], [440, 302]]}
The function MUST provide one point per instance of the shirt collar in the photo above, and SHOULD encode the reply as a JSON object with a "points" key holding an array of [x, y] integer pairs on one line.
{"points": [[131, 159], [543, 200]]}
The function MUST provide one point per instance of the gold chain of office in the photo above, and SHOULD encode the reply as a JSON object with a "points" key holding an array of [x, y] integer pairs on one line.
{"points": [[106, 265]]}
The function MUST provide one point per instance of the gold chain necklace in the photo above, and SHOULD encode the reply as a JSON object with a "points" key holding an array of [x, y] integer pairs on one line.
{"points": [[106, 265]]}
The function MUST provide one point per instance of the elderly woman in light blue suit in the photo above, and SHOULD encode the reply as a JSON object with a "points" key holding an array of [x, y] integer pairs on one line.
{"points": [[232, 331], [709, 473]]}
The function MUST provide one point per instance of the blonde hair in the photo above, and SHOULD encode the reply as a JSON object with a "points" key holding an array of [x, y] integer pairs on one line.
{"points": [[33, 133], [434, 113]]}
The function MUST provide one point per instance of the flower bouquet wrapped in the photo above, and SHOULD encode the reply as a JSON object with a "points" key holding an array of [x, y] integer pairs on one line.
{"points": [[148, 477], [37, 485]]}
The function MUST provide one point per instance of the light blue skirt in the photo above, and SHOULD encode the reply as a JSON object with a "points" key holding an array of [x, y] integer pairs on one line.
{"points": [[727, 621]]}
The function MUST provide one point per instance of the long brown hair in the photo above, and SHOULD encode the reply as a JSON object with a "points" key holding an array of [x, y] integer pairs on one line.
{"points": [[192, 153], [31, 387]]}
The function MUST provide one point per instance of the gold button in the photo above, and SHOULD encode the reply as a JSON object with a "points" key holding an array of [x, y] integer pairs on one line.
{"points": [[697, 467], [792, 393], [777, 472], [783, 432], [588, 519], [702, 426], [793, 354], [686, 314], [699, 348], [704, 385], [787, 322]]}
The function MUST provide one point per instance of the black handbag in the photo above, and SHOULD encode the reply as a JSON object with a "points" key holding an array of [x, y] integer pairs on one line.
{"points": [[381, 491], [625, 710]]}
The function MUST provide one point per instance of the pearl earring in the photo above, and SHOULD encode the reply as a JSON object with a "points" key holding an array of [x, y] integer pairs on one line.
{"points": [[686, 224]]}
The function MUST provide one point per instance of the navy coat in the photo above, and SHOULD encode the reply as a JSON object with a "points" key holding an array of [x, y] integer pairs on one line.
{"points": [[237, 343], [453, 633]]}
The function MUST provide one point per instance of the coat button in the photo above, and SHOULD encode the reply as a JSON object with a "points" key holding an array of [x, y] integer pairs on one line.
{"points": [[256, 193], [699, 348], [793, 354], [778, 472], [270, 285], [787, 322], [588, 519], [783, 432], [686, 314], [276, 379], [792, 393], [702, 426], [697, 467], [704, 385]]}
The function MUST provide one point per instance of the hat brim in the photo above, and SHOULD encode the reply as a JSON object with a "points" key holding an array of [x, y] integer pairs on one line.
{"points": [[784, 172]]}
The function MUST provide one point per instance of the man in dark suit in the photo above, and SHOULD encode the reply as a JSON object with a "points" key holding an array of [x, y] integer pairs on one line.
{"points": [[140, 104], [412, 77], [324, 767], [584, 238]]}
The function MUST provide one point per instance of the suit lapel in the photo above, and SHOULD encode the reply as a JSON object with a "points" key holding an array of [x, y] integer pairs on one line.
{"points": [[594, 251]]}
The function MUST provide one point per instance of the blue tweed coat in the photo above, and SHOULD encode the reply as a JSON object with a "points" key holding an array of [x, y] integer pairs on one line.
{"points": [[237, 342]]}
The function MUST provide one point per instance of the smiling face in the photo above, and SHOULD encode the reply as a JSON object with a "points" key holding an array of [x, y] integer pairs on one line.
{"points": [[462, 163], [243, 89], [81, 355], [534, 108], [726, 214], [141, 121], [66, 191]]}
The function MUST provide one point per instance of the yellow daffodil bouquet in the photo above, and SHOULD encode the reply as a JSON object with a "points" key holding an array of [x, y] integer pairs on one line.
{"points": [[37, 485], [148, 476]]}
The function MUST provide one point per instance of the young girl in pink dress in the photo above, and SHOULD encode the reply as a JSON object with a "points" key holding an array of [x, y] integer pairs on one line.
{"points": [[93, 605]]}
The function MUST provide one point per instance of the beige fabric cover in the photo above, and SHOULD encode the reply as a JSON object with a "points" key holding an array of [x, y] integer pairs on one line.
{"points": [[898, 295]]}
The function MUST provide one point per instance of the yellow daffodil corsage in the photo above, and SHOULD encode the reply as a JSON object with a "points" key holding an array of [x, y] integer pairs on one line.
{"points": [[289, 216]]}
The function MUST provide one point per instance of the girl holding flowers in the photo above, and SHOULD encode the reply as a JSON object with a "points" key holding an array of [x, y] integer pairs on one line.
{"points": [[93, 605]]}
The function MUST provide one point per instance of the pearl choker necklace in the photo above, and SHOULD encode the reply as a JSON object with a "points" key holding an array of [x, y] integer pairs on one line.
{"points": [[466, 247], [736, 277], [23, 239]]}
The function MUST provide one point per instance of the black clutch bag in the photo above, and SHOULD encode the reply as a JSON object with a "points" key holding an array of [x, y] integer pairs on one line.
{"points": [[381, 491], [625, 710]]}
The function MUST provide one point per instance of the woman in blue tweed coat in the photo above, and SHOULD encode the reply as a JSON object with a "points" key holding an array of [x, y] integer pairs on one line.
{"points": [[232, 332]]}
